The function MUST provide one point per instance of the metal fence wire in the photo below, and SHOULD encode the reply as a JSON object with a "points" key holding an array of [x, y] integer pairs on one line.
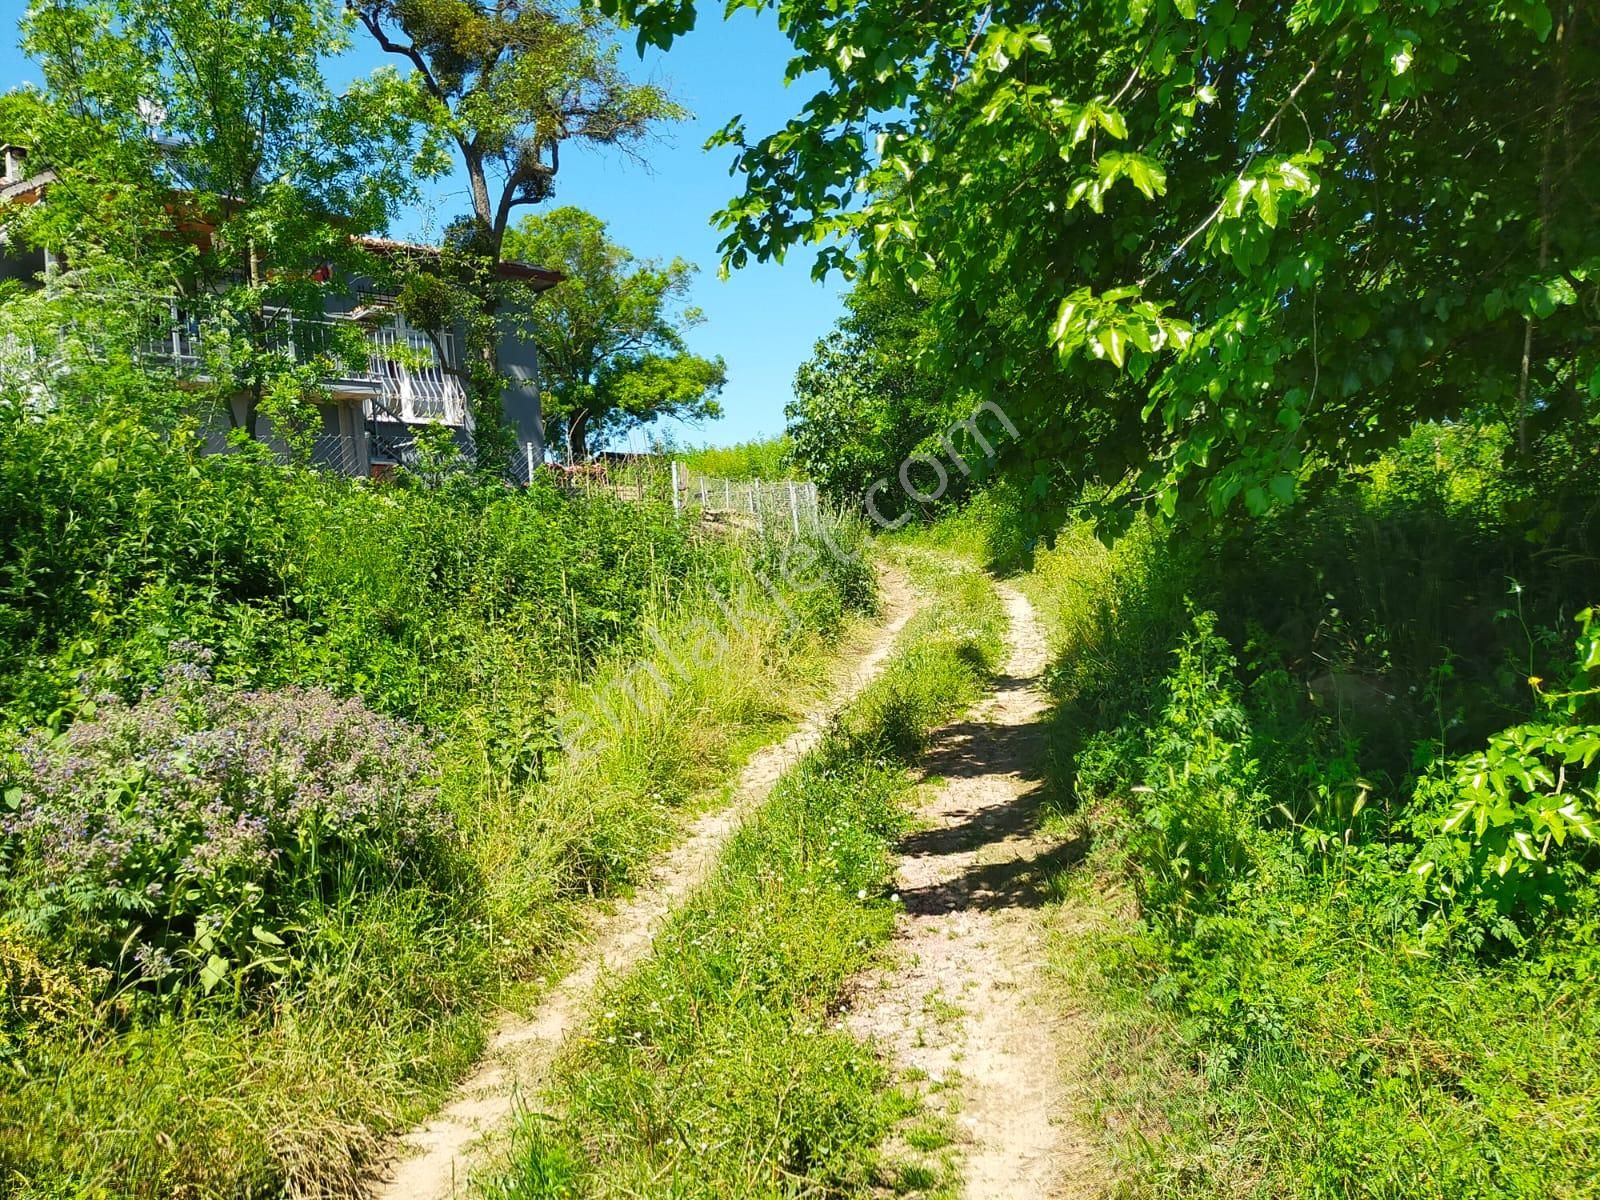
{"points": [[771, 506], [781, 508]]}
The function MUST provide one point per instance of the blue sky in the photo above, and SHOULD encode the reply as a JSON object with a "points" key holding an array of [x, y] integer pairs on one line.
{"points": [[763, 319]]}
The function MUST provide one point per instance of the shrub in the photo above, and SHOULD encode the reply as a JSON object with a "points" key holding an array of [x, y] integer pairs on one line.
{"points": [[188, 837], [1512, 828], [1200, 797]]}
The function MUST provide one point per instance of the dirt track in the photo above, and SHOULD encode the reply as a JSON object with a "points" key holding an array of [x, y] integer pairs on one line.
{"points": [[435, 1160], [960, 1005]]}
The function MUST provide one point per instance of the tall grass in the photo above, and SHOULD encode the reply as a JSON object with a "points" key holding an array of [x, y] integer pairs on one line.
{"points": [[762, 458], [716, 1068], [1256, 728], [492, 618]]}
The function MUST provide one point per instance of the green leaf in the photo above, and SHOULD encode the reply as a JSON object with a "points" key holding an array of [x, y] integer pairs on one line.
{"points": [[1146, 174], [214, 972], [1535, 15], [1114, 343], [1267, 202], [1065, 314], [1112, 122]]}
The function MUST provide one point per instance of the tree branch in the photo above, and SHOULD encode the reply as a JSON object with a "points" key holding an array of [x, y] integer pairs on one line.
{"points": [[389, 46], [1266, 132]]}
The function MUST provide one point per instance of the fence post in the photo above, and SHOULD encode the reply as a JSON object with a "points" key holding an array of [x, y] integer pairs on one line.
{"points": [[527, 448], [755, 506], [702, 491], [677, 504], [727, 495], [794, 509]]}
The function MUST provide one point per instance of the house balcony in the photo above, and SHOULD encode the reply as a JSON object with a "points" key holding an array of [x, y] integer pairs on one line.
{"points": [[404, 375]]}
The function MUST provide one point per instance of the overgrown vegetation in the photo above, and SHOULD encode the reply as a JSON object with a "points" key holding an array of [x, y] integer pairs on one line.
{"points": [[1296, 305], [764, 458], [285, 799], [1344, 763], [716, 1068]]}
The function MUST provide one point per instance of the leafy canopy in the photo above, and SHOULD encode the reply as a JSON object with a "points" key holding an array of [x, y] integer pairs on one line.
{"points": [[505, 85], [865, 400], [1205, 253], [611, 338], [213, 117]]}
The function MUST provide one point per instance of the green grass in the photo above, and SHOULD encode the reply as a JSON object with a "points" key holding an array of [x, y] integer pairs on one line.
{"points": [[1283, 1027], [765, 458], [1376, 1074], [717, 1068], [287, 1095]]}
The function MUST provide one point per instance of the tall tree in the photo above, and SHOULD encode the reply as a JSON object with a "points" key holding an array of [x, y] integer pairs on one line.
{"points": [[507, 84], [865, 400], [1241, 245], [193, 143], [611, 338]]}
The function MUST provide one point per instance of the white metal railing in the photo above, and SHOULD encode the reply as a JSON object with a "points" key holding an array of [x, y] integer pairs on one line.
{"points": [[26, 368], [403, 368], [414, 381], [171, 336]]}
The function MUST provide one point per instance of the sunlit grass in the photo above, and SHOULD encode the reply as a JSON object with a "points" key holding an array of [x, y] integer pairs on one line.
{"points": [[717, 1068]]}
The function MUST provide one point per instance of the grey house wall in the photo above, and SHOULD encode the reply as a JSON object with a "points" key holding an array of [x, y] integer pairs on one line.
{"points": [[520, 401], [519, 363]]}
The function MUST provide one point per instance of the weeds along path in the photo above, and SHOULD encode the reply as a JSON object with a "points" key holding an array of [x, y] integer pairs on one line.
{"points": [[433, 1161], [960, 1007]]}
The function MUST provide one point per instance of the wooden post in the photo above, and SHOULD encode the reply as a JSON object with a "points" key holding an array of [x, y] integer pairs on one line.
{"points": [[677, 503], [755, 505], [727, 495], [794, 509], [702, 491]]}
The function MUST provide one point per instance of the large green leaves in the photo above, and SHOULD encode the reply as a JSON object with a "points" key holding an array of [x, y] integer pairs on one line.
{"points": [[1360, 231]]}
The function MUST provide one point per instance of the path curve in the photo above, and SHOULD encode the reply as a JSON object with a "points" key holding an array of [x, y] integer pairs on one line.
{"points": [[961, 1005], [434, 1159]]}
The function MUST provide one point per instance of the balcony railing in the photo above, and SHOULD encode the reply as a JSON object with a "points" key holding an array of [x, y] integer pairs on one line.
{"points": [[417, 382], [402, 379]]}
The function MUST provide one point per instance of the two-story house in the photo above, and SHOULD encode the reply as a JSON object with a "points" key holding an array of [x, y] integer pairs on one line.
{"points": [[371, 410]]}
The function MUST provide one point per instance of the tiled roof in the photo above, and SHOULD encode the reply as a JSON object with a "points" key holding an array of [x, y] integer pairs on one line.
{"points": [[26, 190], [540, 277], [29, 190]]}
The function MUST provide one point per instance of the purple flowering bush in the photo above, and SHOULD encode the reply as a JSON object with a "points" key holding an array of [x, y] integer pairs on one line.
{"points": [[194, 836]]}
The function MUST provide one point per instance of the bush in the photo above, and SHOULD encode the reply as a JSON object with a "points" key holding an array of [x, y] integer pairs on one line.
{"points": [[191, 836], [1200, 797], [1512, 830], [1364, 847]]}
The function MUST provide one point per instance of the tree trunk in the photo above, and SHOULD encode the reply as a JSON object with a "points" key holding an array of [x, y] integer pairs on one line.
{"points": [[491, 439], [578, 438]]}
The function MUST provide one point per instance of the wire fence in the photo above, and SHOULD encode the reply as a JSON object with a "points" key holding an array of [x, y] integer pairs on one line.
{"points": [[771, 506], [782, 508]]}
